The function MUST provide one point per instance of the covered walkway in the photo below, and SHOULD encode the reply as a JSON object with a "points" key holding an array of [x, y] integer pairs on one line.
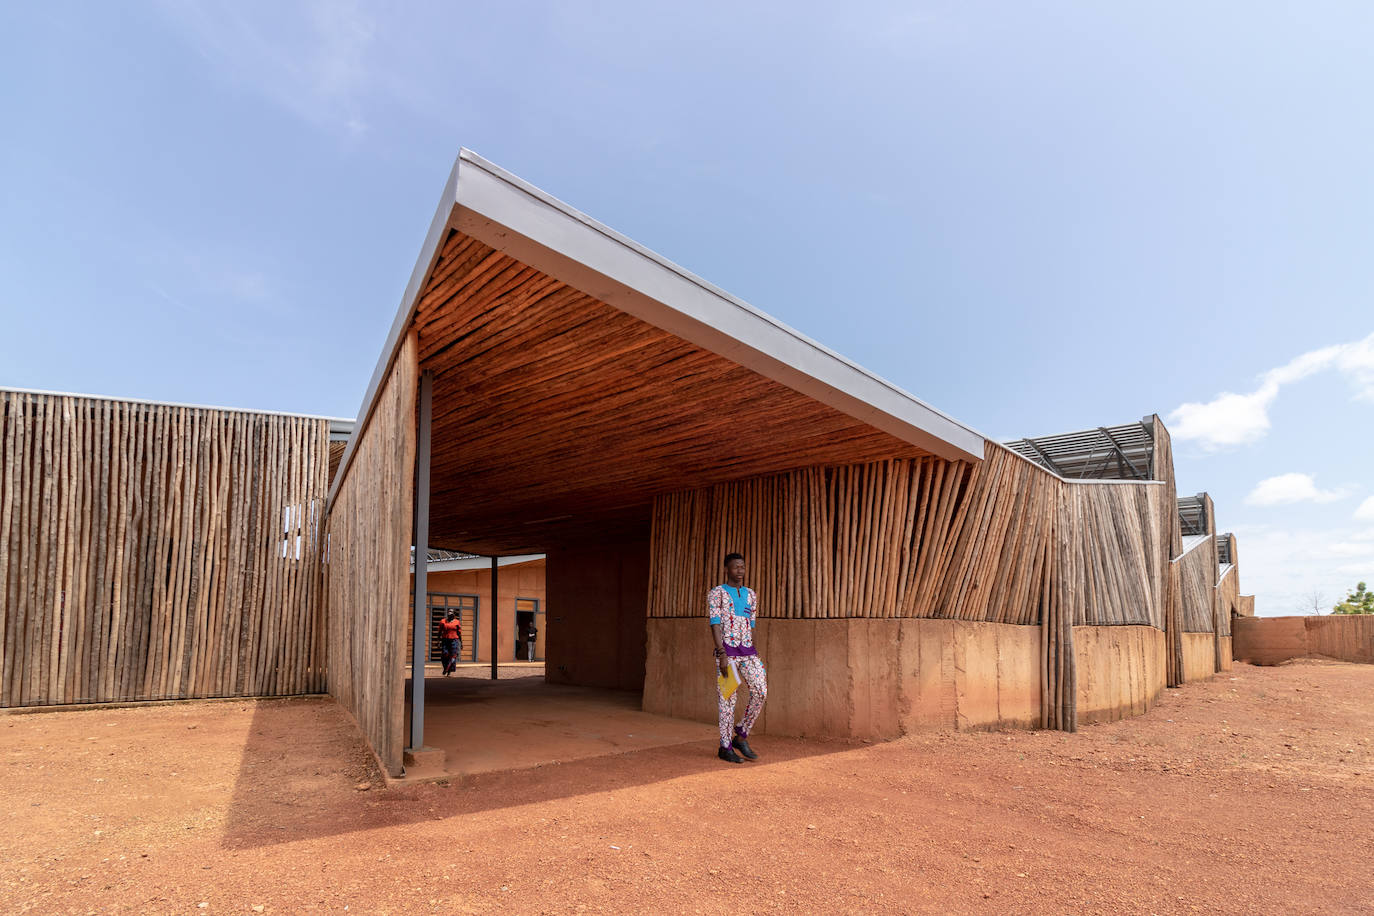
{"points": [[522, 721]]}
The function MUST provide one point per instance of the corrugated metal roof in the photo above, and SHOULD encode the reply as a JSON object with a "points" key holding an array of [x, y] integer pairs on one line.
{"points": [[1192, 514], [1124, 452]]}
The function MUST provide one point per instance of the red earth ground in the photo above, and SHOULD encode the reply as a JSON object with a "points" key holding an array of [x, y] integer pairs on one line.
{"points": [[1249, 793]]}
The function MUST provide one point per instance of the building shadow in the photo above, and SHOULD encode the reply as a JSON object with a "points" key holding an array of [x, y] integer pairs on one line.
{"points": [[307, 773]]}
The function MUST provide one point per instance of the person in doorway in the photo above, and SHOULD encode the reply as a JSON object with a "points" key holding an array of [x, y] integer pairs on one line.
{"points": [[450, 641], [733, 611], [531, 636]]}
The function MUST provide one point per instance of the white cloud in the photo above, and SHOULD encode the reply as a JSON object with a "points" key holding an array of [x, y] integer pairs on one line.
{"points": [[1232, 419], [1353, 549], [1291, 488], [1365, 512], [1283, 566]]}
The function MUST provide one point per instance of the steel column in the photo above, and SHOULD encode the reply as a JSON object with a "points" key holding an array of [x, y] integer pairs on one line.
{"points": [[420, 638], [495, 612]]}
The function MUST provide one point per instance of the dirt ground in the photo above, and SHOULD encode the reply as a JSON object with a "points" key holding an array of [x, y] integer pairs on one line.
{"points": [[1251, 793]]}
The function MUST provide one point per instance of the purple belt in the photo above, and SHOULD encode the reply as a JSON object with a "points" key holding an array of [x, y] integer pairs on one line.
{"points": [[739, 651]]}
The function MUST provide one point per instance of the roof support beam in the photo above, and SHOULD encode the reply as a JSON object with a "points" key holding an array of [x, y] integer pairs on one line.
{"points": [[1049, 462], [495, 611], [1122, 461]]}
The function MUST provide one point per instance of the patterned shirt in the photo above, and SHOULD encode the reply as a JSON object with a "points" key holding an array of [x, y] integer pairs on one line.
{"points": [[736, 610]]}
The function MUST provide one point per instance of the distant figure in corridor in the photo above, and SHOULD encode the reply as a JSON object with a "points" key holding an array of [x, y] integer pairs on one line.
{"points": [[450, 641], [531, 638], [733, 610]]}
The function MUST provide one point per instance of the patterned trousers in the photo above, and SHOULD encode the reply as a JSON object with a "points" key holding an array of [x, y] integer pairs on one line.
{"points": [[755, 677], [448, 652]]}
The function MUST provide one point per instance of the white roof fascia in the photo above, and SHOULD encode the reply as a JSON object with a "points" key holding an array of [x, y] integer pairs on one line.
{"points": [[516, 218], [471, 563], [429, 253]]}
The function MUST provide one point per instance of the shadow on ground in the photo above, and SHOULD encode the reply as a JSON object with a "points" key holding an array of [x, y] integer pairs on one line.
{"points": [[304, 762]]}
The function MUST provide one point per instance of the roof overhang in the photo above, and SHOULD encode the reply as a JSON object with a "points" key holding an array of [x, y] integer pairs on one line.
{"points": [[488, 204], [513, 216]]}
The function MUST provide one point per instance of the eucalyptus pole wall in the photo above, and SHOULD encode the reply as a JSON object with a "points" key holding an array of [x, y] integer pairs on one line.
{"points": [[1196, 577], [1215, 580], [1003, 541], [368, 565], [1228, 589], [152, 551], [1197, 598], [1162, 469], [1228, 595]]}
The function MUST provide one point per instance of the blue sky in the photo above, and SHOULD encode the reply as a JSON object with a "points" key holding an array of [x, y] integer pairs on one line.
{"points": [[1035, 216]]}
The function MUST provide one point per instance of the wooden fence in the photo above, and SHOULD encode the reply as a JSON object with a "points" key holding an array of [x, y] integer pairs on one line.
{"points": [[370, 525], [155, 552]]}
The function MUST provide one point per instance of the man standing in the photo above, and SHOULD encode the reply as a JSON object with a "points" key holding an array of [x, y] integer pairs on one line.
{"points": [[450, 641], [733, 611]]}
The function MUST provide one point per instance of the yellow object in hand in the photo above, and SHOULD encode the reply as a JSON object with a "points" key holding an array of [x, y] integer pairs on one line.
{"points": [[728, 684]]}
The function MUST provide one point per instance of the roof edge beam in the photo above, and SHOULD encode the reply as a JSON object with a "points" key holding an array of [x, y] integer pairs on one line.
{"points": [[518, 219], [424, 265]]}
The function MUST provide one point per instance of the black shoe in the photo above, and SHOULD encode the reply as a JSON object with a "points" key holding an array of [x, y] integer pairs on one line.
{"points": [[729, 756], [741, 744]]}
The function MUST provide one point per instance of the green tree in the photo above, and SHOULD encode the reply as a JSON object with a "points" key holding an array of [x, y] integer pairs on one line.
{"points": [[1360, 601]]}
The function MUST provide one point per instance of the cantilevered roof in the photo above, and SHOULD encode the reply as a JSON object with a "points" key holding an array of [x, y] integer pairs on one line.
{"points": [[577, 374], [1124, 452]]}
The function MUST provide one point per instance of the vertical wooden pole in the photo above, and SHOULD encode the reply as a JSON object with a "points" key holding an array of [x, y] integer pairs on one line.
{"points": [[420, 636], [495, 610]]}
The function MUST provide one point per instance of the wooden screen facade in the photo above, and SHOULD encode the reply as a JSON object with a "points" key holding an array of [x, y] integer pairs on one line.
{"points": [[1195, 599], [1196, 580], [152, 552], [1004, 541], [1228, 586], [1228, 593], [370, 526]]}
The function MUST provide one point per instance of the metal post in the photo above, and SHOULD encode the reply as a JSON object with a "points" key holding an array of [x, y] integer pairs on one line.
{"points": [[420, 638], [495, 611]]}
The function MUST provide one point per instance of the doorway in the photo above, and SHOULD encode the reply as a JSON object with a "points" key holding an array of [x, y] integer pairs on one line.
{"points": [[529, 630]]}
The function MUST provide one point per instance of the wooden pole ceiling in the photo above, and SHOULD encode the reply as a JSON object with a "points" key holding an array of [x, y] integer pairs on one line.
{"points": [[577, 375]]}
